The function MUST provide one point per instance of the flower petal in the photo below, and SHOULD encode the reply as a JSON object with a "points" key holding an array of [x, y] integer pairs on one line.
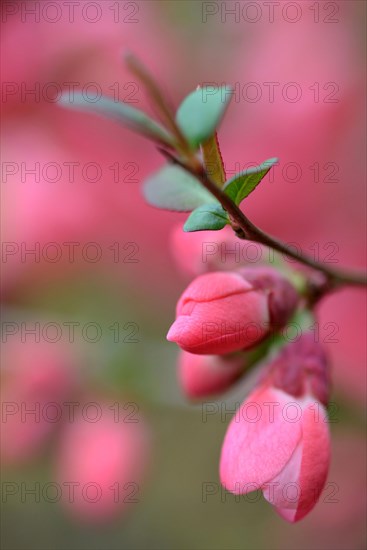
{"points": [[213, 286], [299, 485], [259, 442]]}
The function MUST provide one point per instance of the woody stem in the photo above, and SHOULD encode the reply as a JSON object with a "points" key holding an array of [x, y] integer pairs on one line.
{"points": [[245, 229]]}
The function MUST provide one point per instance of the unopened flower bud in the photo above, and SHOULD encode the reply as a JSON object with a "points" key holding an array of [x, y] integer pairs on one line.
{"points": [[221, 312], [284, 449]]}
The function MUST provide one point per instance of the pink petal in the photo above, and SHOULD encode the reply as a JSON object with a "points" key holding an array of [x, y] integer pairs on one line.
{"points": [[315, 458], [303, 478], [213, 286], [256, 451], [283, 490]]}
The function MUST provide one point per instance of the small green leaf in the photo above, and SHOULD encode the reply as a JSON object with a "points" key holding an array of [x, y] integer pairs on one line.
{"points": [[207, 217], [243, 183], [201, 112], [172, 188], [213, 161], [120, 112]]}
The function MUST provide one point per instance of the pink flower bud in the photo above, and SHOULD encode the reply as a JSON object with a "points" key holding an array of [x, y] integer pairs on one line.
{"points": [[278, 440], [205, 375], [221, 312], [102, 457]]}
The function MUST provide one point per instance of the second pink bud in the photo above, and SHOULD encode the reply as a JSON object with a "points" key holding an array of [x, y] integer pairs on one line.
{"points": [[204, 375]]}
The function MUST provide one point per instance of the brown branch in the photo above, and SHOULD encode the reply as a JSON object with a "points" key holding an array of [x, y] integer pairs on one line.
{"points": [[245, 229]]}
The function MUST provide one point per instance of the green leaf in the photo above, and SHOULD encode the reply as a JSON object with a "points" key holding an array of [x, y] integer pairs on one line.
{"points": [[172, 188], [201, 112], [213, 161], [120, 112], [207, 217], [243, 183]]}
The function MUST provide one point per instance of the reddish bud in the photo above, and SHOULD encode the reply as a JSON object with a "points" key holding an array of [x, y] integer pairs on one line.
{"points": [[278, 440], [222, 312], [205, 375]]}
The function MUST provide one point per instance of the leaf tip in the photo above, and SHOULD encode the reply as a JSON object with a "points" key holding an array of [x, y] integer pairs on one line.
{"points": [[64, 100], [272, 161]]}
